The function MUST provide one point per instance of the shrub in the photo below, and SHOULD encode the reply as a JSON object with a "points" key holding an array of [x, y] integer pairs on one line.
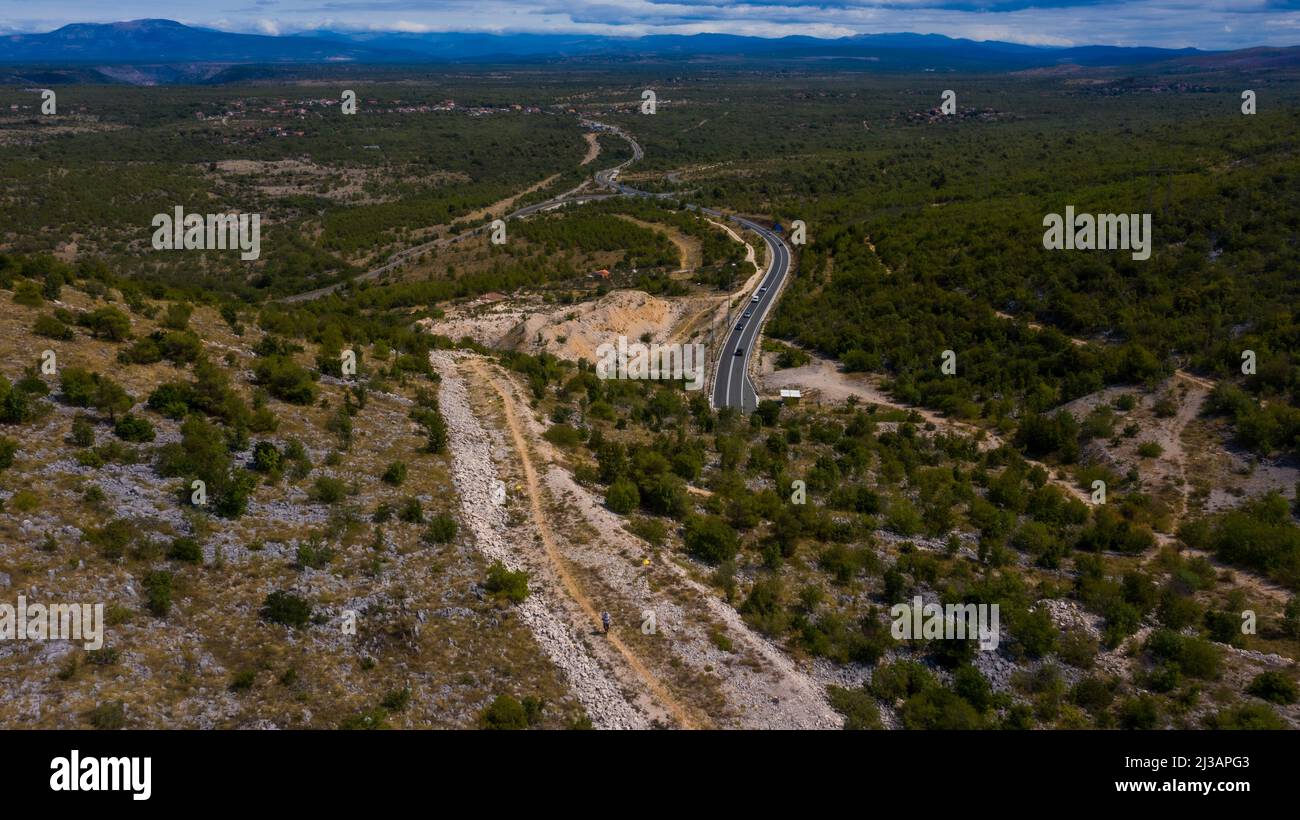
{"points": [[1142, 712], [504, 713], [651, 529], [1248, 716], [107, 716], [313, 554], [77, 385], [563, 435], [442, 529], [857, 706], [177, 316], [83, 432], [1193, 656], [710, 538], [187, 550], [1092, 693], [397, 700], [134, 428], [8, 448], [286, 608], [158, 592], [28, 293], [504, 584], [395, 474], [243, 680], [144, 351], [622, 496], [113, 537], [51, 328], [172, 399], [108, 323], [411, 512], [285, 379], [328, 490], [1150, 449], [266, 457], [1274, 687]]}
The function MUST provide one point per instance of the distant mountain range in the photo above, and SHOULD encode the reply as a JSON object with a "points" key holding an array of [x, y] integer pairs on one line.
{"points": [[168, 43]]}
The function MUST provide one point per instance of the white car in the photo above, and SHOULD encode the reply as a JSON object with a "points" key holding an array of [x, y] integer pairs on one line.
{"points": [[755, 299]]}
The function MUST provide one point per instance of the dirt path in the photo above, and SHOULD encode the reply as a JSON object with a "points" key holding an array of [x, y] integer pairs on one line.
{"points": [[496, 535], [593, 148], [743, 681], [571, 587], [504, 205], [689, 251]]}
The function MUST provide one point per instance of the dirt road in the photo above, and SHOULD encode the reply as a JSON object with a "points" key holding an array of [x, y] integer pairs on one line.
{"points": [[677, 656]]}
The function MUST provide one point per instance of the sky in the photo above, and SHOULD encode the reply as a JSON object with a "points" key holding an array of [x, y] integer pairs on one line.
{"points": [[1206, 24]]}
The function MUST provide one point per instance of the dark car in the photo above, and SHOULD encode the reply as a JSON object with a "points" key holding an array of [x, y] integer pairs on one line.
{"points": [[739, 351]]}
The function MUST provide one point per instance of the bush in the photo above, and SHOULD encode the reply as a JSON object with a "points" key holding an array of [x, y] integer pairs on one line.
{"points": [[8, 448], [395, 474], [286, 608], [177, 316], [710, 538], [266, 457], [51, 328], [172, 399], [857, 706], [1092, 693], [112, 538], [397, 700], [28, 293], [83, 432], [1150, 449], [108, 716], [652, 530], [108, 323], [187, 550], [1248, 716], [504, 584], [1274, 687], [1142, 712], [442, 529], [563, 435], [504, 713], [313, 554], [622, 496], [77, 385], [243, 680], [1193, 656], [285, 379], [411, 512], [134, 428], [328, 490], [158, 592], [144, 351]]}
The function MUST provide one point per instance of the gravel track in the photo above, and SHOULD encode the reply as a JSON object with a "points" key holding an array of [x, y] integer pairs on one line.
{"points": [[475, 476]]}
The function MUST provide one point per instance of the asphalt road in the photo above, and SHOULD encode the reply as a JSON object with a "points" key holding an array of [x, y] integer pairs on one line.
{"points": [[731, 386]]}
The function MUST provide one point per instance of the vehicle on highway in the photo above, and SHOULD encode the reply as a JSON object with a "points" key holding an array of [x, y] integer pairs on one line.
{"points": [[739, 350], [747, 313], [755, 299]]}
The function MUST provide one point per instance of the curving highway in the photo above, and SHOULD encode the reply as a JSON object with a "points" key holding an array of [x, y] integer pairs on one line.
{"points": [[732, 386]]}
